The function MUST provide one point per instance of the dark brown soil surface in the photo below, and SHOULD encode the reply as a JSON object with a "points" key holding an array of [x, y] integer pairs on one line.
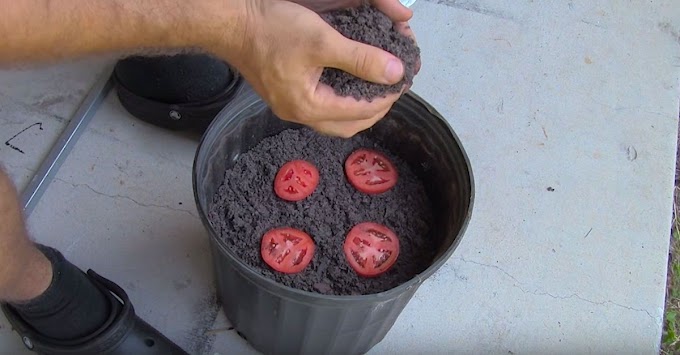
{"points": [[246, 207], [368, 25]]}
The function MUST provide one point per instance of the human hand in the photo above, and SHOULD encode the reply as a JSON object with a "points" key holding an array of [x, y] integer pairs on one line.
{"points": [[397, 12], [285, 49], [400, 15]]}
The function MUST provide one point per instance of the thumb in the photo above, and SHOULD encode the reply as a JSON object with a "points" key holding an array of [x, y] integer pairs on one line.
{"points": [[362, 60]]}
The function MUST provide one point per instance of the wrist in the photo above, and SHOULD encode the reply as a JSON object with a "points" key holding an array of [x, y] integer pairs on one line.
{"points": [[215, 26], [224, 27]]}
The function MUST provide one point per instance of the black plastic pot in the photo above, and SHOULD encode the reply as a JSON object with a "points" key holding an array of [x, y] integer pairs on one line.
{"points": [[178, 92], [276, 319]]}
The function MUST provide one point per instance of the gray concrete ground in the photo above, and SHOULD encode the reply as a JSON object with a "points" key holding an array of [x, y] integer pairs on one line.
{"points": [[568, 110]]}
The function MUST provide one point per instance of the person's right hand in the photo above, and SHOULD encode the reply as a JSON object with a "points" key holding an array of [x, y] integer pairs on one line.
{"points": [[285, 49]]}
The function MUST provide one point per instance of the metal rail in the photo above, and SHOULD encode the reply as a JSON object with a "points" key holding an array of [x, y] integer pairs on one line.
{"points": [[67, 139]]}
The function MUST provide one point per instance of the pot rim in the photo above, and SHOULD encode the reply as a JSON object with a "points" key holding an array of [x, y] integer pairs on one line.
{"points": [[388, 294]]}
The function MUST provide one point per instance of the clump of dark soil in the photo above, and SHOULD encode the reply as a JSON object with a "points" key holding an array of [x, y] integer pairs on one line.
{"points": [[245, 207], [368, 25]]}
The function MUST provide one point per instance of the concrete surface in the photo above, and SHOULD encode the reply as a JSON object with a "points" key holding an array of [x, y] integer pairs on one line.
{"points": [[568, 110]]}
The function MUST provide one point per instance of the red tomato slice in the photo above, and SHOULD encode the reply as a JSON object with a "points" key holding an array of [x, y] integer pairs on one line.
{"points": [[287, 250], [371, 249], [370, 171], [296, 180]]}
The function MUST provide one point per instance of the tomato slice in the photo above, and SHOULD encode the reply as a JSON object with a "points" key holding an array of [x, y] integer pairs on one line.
{"points": [[296, 180], [370, 171], [287, 250], [371, 249]]}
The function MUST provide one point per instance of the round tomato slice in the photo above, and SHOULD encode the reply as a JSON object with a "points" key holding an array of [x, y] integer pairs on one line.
{"points": [[287, 250], [296, 180], [370, 171], [371, 248]]}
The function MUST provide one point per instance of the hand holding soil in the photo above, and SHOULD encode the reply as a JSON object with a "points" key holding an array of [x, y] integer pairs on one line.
{"points": [[367, 24], [284, 53], [393, 9]]}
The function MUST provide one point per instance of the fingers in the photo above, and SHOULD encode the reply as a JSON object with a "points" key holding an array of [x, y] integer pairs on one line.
{"points": [[361, 60], [405, 29], [347, 129], [393, 9], [338, 108], [327, 5]]}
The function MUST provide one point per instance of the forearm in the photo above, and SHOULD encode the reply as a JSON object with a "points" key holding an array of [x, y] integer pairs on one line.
{"points": [[48, 30], [12, 227], [24, 271]]}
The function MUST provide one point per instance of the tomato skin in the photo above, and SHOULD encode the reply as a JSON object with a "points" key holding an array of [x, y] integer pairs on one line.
{"points": [[293, 247], [370, 171], [367, 241], [296, 180]]}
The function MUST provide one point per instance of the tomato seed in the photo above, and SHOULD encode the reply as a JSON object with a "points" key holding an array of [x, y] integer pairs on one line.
{"points": [[300, 255], [360, 159], [271, 247], [280, 258], [381, 164], [383, 258], [289, 175], [289, 238], [376, 180], [361, 261], [299, 181], [361, 242], [383, 237]]}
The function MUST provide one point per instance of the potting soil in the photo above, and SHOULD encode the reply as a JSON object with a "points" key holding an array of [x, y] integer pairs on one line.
{"points": [[368, 25], [245, 207]]}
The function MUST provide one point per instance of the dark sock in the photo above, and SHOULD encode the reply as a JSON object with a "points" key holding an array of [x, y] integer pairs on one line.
{"points": [[71, 307]]}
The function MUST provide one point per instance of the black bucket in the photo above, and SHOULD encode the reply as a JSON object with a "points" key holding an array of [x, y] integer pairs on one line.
{"points": [[277, 319]]}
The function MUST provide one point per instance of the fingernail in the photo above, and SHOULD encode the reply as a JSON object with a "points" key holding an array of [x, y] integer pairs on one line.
{"points": [[394, 71]]}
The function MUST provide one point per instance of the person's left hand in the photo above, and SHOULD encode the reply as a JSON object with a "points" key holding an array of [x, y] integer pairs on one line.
{"points": [[398, 13], [320, 6]]}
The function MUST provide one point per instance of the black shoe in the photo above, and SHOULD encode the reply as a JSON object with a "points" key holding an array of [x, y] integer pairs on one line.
{"points": [[123, 333], [180, 92]]}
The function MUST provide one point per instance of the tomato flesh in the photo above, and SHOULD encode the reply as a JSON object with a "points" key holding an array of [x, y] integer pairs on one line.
{"points": [[287, 250], [296, 180], [371, 249], [370, 171]]}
